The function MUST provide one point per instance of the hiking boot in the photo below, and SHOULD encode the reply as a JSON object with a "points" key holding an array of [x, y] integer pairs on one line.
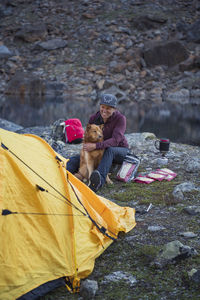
{"points": [[95, 181]]}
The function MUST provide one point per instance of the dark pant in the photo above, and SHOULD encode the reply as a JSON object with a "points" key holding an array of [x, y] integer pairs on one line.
{"points": [[111, 155]]}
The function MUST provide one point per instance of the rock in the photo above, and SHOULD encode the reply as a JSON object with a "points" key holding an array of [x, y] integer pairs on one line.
{"points": [[188, 64], [168, 54], [53, 44], [5, 10], [193, 165], [118, 276], [88, 289], [148, 135], [173, 251], [182, 96], [147, 22], [195, 94], [192, 210], [177, 195], [8, 125], [23, 84], [32, 32], [195, 275], [186, 187], [155, 228], [124, 30], [116, 67], [193, 271], [106, 38], [193, 32], [188, 234], [120, 51], [100, 84], [163, 161], [5, 52], [42, 131], [27, 86]]}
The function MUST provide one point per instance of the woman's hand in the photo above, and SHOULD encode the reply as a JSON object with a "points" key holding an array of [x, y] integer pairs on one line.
{"points": [[89, 147]]}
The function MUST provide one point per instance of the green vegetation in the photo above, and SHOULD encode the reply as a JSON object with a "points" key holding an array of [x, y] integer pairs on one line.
{"points": [[156, 192]]}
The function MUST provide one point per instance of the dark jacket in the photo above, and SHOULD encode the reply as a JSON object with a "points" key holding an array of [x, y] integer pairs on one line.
{"points": [[113, 131]]}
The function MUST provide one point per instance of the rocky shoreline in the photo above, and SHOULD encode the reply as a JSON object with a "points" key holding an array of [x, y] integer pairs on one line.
{"points": [[138, 50]]}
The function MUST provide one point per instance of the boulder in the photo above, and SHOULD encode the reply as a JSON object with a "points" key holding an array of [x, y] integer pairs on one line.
{"points": [[147, 22], [172, 252], [168, 54], [31, 33]]}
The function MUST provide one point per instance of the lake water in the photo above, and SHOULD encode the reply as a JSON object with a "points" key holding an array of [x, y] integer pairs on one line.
{"points": [[179, 123]]}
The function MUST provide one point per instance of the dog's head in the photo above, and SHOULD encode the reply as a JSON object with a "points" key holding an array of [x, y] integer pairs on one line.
{"points": [[93, 133]]}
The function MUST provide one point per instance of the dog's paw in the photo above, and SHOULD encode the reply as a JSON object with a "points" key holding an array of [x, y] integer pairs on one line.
{"points": [[79, 176]]}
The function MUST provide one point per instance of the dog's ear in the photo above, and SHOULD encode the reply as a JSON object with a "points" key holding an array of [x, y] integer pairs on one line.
{"points": [[88, 126], [101, 126]]}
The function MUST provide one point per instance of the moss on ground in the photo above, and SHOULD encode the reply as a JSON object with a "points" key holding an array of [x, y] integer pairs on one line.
{"points": [[156, 192]]}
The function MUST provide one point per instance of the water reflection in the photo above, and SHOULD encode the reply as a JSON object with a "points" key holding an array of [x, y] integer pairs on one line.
{"points": [[180, 124]]}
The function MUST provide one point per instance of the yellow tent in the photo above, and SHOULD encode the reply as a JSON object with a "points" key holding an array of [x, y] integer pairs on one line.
{"points": [[52, 226]]}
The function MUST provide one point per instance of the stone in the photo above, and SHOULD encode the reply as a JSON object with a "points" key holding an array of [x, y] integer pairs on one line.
{"points": [[162, 161], [8, 125], [168, 54], [155, 228], [100, 84], [186, 187], [26, 86], [106, 38], [177, 195], [120, 275], [101, 70], [148, 135], [119, 51], [173, 251], [188, 234], [192, 210], [193, 165], [193, 32], [147, 22], [53, 44], [188, 64], [196, 276], [88, 16], [116, 67], [32, 32], [123, 30], [5, 52], [182, 96], [88, 289]]}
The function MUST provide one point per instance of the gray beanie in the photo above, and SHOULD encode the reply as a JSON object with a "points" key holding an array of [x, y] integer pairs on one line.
{"points": [[108, 99]]}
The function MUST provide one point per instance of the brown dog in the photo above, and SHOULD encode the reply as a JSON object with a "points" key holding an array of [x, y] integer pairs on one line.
{"points": [[89, 161]]}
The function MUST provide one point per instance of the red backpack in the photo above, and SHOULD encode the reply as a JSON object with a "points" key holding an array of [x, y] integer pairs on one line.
{"points": [[73, 131]]}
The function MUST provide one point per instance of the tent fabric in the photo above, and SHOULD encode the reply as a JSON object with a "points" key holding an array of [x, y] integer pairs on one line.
{"points": [[52, 225]]}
